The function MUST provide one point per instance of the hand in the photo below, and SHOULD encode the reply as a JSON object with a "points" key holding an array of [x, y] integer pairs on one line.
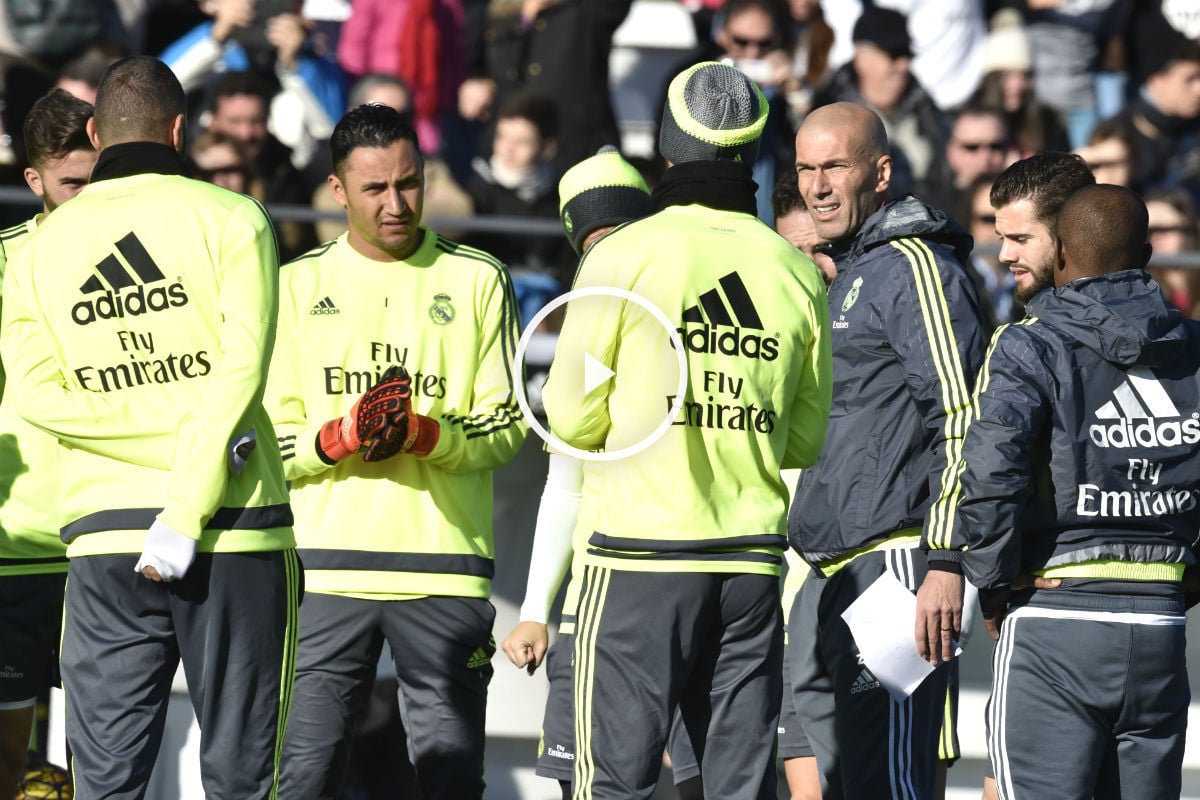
{"points": [[475, 98], [240, 448], [340, 438], [166, 554], [287, 34], [406, 431], [939, 615], [1028, 581], [228, 16], [526, 645]]}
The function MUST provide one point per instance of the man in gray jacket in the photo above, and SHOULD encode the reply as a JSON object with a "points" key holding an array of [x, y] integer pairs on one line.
{"points": [[907, 344]]}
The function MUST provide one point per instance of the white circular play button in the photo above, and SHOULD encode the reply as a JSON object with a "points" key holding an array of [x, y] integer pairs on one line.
{"points": [[596, 376]]}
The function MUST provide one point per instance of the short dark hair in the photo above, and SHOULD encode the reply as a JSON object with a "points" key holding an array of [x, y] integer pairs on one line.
{"points": [[137, 99], [786, 197], [369, 126], [56, 126], [535, 107], [1046, 180], [1104, 228], [980, 110], [232, 84]]}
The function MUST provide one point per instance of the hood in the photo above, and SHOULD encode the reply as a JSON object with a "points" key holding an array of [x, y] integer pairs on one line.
{"points": [[1122, 316], [909, 216]]}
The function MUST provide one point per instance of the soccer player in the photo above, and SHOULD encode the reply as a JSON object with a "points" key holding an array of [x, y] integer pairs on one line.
{"points": [[596, 195], [1026, 197], [680, 598], [138, 320], [394, 522], [907, 342], [1081, 467], [33, 560]]}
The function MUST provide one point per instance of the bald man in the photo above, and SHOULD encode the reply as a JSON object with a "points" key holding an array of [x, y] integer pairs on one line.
{"points": [[907, 343], [1083, 468]]}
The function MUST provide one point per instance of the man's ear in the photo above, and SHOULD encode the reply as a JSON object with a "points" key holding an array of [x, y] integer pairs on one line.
{"points": [[34, 180], [337, 189], [93, 137], [1147, 251], [883, 174], [179, 133], [549, 148]]}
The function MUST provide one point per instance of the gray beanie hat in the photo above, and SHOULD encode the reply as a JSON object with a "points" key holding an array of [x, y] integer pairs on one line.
{"points": [[713, 112], [601, 191]]}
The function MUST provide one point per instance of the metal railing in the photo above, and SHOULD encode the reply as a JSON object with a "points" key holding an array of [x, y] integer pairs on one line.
{"points": [[516, 226]]}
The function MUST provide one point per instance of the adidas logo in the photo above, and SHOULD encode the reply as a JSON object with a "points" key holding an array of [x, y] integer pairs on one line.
{"points": [[324, 306], [735, 310], [864, 682], [479, 659], [123, 286], [1142, 415]]}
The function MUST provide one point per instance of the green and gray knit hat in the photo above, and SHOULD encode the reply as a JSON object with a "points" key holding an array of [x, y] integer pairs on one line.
{"points": [[600, 191], [713, 113]]}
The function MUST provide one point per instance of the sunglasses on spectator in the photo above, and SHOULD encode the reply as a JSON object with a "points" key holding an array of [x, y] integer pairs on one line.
{"points": [[1157, 229], [986, 219], [1094, 165], [765, 44], [972, 147]]}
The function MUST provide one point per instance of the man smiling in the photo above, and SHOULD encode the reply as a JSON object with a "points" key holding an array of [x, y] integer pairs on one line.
{"points": [[907, 343]]}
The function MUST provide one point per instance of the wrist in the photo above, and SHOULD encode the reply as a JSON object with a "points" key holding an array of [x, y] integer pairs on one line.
{"points": [[428, 431], [335, 442]]}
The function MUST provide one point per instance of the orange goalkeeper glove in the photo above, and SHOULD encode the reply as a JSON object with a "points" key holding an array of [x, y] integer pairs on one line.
{"points": [[340, 438], [406, 432]]}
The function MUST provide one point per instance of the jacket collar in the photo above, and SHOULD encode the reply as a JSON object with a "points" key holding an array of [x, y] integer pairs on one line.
{"points": [[137, 158]]}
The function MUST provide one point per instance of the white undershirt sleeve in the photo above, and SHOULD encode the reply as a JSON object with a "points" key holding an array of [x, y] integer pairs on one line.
{"points": [[556, 519]]}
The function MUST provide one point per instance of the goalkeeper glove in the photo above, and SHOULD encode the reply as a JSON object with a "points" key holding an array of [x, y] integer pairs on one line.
{"points": [[340, 438], [405, 432], [166, 553]]}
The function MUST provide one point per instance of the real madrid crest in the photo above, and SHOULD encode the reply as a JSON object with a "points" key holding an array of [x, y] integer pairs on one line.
{"points": [[442, 312], [852, 295], [568, 223]]}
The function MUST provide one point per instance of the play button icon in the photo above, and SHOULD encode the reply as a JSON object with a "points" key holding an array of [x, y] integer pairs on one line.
{"points": [[597, 379], [595, 374]]}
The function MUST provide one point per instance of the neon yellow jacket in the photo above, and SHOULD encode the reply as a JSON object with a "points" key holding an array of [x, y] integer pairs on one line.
{"points": [[29, 542], [138, 321], [752, 313], [407, 526]]}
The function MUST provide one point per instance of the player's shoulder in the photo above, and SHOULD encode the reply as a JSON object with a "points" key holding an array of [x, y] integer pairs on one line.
{"points": [[467, 258], [312, 259]]}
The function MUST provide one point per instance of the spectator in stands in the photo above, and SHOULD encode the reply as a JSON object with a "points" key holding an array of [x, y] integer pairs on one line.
{"points": [[1164, 120], [239, 109], [559, 48], [1109, 154], [267, 37], [979, 144], [1172, 231], [880, 77], [996, 283], [947, 42], [1067, 41], [520, 180], [811, 40], [419, 41], [219, 159], [1007, 85], [81, 76]]}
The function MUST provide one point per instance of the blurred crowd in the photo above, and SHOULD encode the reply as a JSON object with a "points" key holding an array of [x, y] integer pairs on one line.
{"points": [[507, 94]]}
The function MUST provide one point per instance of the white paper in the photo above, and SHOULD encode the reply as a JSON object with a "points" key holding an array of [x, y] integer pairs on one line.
{"points": [[882, 620]]}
